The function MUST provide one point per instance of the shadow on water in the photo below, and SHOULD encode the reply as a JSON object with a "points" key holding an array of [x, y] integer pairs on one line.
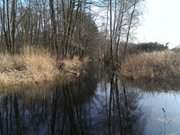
{"points": [[95, 104], [56, 110], [155, 84], [124, 114]]}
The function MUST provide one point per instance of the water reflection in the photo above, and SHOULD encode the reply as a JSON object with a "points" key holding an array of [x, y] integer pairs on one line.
{"points": [[124, 108], [155, 84], [85, 106], [58, 110], [94, 104]]}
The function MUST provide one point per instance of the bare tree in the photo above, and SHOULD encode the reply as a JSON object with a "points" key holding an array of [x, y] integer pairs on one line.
{"points": [[54, 35], [67, 27]]}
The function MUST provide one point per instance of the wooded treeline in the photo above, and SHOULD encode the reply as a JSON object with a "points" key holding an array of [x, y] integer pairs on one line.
{"points": [[63, 26], [66, 27]]}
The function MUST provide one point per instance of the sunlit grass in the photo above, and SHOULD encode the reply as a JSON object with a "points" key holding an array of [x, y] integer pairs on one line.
{"points": [[27, 67], [152, 65], [35, 66]]}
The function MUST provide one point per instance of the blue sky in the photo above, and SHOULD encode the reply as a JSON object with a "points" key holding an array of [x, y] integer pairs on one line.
{"points": [[160, 22]]}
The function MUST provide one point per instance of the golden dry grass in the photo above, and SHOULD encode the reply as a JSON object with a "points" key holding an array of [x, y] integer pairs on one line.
{"points": [[73, 67], [27, 68], [151, 65], [35, 67]]}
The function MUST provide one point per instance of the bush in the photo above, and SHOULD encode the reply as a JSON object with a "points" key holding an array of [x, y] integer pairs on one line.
{"points": [[146, 47]]}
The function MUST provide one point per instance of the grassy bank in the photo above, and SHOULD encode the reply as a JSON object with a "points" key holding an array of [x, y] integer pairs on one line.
{"points": [[34, 67], [151, 65]]}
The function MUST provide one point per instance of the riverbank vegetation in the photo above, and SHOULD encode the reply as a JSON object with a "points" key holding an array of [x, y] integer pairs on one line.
{"points": [[67, 34], [26, 68], [36, 66], [152, 65], [40, 40]]}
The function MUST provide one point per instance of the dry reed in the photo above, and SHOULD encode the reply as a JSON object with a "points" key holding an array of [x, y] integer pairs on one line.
{"points": [[152, 65]]}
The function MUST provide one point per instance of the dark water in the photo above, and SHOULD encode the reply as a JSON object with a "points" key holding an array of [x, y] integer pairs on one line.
{"points": [[94, 104]]}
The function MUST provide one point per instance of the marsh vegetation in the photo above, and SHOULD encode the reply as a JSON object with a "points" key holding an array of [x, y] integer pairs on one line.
{"points": [[152, 65], [71, 67]]}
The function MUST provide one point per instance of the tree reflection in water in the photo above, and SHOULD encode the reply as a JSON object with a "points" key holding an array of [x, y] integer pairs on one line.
{"points": [[124, 115], [83, 107]]}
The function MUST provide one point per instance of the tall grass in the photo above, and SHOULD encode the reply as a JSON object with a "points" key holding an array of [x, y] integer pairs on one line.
{"points": [[160, 64], [33, 66], [30, 66]]}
